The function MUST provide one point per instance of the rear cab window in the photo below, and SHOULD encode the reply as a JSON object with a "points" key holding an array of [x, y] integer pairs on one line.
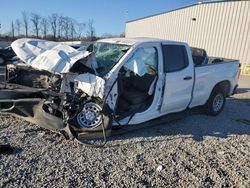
{"points": [[175, 57]]}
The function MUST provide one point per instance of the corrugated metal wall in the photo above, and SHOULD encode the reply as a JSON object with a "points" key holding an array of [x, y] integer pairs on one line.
{"points": [[222, 28]]}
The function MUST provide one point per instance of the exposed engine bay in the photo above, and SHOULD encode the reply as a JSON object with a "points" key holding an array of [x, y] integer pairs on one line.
{"points": [[24, 75], [40, 94]]}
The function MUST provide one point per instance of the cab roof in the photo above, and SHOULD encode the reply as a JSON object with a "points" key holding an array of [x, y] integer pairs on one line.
{"points": [[132, 41]]}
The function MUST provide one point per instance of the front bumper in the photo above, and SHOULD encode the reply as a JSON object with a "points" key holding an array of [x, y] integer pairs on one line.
{"points": [[19, 104]]}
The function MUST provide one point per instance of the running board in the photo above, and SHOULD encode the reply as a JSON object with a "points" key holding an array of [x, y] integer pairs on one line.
{"points": [[118, 130]]}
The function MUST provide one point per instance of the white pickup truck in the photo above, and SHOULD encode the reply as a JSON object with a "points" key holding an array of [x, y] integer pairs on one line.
{"points": [[116, 82]]}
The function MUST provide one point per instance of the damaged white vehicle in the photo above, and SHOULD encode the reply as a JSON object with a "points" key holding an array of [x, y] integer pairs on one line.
{"points": [[116, 82]]}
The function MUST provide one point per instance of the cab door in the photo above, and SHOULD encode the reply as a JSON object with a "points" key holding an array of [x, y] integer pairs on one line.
{"points": [[179, 77]]}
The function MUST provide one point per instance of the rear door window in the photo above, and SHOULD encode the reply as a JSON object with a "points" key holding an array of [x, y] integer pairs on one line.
{"points": [[175, 57]]}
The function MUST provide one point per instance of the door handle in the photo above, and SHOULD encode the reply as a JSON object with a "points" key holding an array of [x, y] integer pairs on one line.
{"points": [[188, 78]]}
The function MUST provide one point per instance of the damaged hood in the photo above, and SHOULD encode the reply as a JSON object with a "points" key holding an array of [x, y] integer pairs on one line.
{"points": [[58, 58], [51, 56]]}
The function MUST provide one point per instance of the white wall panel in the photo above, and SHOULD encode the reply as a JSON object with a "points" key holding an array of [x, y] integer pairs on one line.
{"points": [[222, 28]]}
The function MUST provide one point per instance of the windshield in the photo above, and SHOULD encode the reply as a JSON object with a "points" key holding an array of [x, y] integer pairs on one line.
{"points": [[107, 55]]}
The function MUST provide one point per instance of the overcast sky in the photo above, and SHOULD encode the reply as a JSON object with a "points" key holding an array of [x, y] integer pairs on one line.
{"points": [[109, 15]]}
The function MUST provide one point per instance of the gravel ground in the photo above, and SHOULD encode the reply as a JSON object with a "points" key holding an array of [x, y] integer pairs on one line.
{"points": [[197, 151]]}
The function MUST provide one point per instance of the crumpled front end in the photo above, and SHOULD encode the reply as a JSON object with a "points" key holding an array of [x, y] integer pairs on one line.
{"points": [[63, 95]]}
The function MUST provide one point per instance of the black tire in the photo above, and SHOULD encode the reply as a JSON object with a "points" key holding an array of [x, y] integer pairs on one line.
{"points": [[80, 124], [216, 102]]}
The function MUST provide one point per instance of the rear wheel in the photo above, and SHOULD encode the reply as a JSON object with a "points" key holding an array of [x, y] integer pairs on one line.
{"points": [[216, 101]]}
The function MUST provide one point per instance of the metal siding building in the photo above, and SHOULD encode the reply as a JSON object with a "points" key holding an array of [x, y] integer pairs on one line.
{"points": [[220, 27]]}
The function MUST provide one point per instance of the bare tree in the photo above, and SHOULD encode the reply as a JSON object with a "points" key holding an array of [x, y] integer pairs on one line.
{"points": [[18, 27], [60, 28], [80, 27], [12, 30], [25, 22], [91, 30], [66, 26], [35, 19], [53, 23], [44, 27], [72, 29], [122, 35]]}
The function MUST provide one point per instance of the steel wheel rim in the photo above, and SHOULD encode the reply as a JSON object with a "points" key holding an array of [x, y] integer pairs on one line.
{"points": [[218, 102], [90, 116]]}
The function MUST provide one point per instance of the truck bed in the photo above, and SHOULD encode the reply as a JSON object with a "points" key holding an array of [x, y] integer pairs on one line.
{"points": [[207, 75], [200, 58], [216, 60]]}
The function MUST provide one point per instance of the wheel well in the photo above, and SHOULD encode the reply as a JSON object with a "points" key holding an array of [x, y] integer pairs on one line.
{"points": [[224, 85]]}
